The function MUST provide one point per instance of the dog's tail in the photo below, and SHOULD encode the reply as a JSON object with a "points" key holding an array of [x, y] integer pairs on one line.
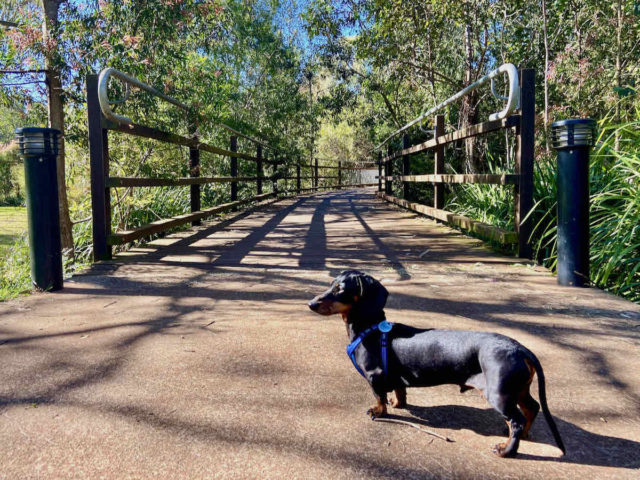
{"points": [[542, 393]]}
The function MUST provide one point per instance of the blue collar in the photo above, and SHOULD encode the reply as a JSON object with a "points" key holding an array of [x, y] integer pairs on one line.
{"points": [[384, 327]]}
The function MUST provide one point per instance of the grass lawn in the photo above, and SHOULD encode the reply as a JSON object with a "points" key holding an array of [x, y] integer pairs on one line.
{"points": [[13, 223]]}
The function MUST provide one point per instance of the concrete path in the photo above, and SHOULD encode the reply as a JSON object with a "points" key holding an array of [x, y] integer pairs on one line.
{"points": [[198, 358]]}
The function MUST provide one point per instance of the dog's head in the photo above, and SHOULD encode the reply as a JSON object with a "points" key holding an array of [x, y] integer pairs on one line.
{"points": [[356, 295]]}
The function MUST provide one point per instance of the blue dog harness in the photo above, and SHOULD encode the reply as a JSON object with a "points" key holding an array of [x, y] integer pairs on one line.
{"points": [[384, 327]]}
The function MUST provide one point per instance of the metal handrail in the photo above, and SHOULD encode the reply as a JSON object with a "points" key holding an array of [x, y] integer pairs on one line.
{"points": [[513, 99], [105, 103]]}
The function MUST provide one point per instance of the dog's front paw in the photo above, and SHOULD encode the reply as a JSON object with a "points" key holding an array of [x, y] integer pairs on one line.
{"points": [[398, 403], [377, 411]]}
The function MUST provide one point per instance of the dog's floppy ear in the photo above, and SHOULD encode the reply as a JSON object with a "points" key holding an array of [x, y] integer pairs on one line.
{"points": [[373, 296]]}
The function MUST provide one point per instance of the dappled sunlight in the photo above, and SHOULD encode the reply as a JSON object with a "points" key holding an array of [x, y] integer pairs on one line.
{"points": [[207, 345]]}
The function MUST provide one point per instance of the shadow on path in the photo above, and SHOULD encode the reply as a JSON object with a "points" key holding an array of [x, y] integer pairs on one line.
{"points": [[583, 447]]}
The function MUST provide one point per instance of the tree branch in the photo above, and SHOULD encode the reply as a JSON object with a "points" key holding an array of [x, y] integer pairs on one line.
{"points": [[4, 23], [19, 72], [435, 73]]}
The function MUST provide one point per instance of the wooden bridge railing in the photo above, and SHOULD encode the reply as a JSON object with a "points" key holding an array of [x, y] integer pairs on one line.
{"points": [[521, 179], [102, 182]]}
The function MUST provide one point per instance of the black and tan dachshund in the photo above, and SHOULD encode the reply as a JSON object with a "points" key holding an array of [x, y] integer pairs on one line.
{"points": [[498, 366]]}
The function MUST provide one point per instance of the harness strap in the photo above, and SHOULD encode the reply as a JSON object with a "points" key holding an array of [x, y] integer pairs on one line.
{"points": [[385, 328]]}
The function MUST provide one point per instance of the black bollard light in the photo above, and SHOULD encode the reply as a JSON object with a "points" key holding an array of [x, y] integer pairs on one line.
{"points": [[39, 147], [572, 139]]}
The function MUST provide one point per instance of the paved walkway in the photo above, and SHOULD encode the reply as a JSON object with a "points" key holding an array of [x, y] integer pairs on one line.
{"points": [[198, 358]]}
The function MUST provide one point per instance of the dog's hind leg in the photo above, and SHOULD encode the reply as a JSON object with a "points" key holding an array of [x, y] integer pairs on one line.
{"points": [[527, 403], [400, 401], [530, 409], [515, 420]]}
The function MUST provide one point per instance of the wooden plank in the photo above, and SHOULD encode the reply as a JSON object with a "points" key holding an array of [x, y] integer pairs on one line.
{"points": [[471, 131], [194, 189], [388, 181], [488, 232], [379, 171], [172, 182], [162, 136], [406, 165], [159, 226], [259, 173], [523, 198], [353, 185], [99, 166], [148, 132], [438, 163], [233, 144], [490, 178], [345, 167], [306, 178], [316, 174]]}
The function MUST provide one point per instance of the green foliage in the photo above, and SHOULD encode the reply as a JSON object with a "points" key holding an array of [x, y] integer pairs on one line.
{"points": [[15, 270], [11, 177], [371, 65], [614, 209], [492, 204]]}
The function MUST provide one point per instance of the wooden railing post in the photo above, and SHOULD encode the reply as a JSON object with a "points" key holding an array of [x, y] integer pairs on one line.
{"points": [[259, 170], [523, 197], [438, 163], [298, 178], [99, 161], [316, 174], [380, 171], [388, 185], [234, 168], [274, 177], [405, 166], [286, 176], [339, 175], [194, 171]]}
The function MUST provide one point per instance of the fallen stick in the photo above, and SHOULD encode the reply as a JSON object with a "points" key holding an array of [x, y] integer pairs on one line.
{"points": [[422, 429]]}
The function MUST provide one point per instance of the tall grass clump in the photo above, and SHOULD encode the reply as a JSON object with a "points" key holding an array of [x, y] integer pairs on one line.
{"points": [[15, 273], [614, 173], [487, 203], [614, 211]]}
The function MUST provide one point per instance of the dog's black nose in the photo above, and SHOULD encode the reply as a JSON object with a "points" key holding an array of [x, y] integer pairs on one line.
{"points": [[314, 305]]}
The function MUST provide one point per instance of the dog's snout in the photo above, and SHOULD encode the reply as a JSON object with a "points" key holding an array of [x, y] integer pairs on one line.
{"points": [[313, 305]]}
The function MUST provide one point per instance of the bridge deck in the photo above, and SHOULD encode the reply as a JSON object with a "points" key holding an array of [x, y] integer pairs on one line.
{"points": [[199, 359]]}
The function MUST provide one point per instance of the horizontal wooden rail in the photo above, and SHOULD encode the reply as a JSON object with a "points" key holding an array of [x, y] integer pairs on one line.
{"points": [[306, 178], [346, 168], [521, 180], [335, 187], [100, 128], [173, 182], [492, 178], [158, 226], [488, 232], [471, 131], [161, 135], [306, 165]]}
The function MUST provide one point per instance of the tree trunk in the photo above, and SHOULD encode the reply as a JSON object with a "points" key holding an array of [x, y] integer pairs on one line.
{"points": [[546, 72], [468, 109], [56, 114], [618, 72]]}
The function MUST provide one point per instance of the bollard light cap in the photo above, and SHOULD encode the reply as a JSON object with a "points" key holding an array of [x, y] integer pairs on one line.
{"points": [[575, 132], [36, 141]]}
